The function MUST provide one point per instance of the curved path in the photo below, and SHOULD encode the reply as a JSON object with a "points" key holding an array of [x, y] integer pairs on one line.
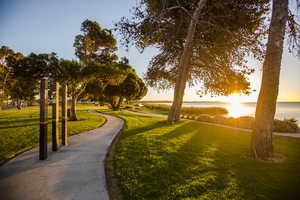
{"points": [[74, 172]]}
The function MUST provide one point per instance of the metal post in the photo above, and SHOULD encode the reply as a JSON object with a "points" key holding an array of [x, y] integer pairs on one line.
{"points": [[64, 115], [43, 118], [55, 106]]}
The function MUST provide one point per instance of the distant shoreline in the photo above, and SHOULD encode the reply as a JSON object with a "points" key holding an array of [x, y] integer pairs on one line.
{"points": [[169, 101]]}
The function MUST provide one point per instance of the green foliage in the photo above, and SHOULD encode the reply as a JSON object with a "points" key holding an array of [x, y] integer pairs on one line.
{"points": [[195, 111], [157, 108], [95, 44], [189, 160], [19, 130], [286, 125], [216, 115], [4, 73], [226, 32], [247, 122], [132, 88], [26, 72], [188, 111]]}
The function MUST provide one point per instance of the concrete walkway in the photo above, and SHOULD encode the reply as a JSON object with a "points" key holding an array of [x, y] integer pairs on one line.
{"points": [[74, 172]]}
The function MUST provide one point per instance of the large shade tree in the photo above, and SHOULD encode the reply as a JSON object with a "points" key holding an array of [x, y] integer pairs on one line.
{"points": [[132, 88], [211, 37], [26, 72], [78, 75], [114, 74], [261, 142], [4, 73], [95, 44], [95, 48]]}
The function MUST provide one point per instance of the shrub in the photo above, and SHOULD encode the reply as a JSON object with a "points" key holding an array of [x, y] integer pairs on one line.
{"points": [[188, 112], [245, 122], [204, 118], [219, 119], [130, 107], [204, 110], [192, 117], [231, 121], [285, 126], [160, 108]]}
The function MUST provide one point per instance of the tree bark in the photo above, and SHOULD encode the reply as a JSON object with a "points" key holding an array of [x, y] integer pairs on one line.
{"points": [[75, 94], [261, 141], [174, 113], [119, 103], [73, 116], [19, 105]]}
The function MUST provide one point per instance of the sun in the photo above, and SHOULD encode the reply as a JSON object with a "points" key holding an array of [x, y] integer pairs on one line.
{"points": [[235, 109]]}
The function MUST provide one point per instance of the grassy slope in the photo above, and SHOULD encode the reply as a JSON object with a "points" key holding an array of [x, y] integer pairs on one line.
{"points": [[194, 161], [19, 129]]}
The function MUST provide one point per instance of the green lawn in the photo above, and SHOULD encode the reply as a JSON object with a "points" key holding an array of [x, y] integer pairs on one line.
{"points": [[19, 129], [190, 160]]}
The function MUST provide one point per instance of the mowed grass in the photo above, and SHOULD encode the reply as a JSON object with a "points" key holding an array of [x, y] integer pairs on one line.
{"points": [[189, 160], [19, 129]]}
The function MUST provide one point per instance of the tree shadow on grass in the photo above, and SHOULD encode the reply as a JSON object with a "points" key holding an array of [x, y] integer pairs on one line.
{"points": [[144, 129], [7, 127], [18, 123], [180, 165]]}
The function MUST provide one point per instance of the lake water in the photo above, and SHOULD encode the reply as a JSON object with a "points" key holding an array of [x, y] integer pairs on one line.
{"points": [[283, 109]]}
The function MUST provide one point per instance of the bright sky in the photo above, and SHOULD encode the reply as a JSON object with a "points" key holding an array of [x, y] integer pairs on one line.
{"points": [[42, 26]]}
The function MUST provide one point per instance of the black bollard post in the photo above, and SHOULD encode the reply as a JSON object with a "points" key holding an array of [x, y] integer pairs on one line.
{"points": [[64, 115], [55, 106], [43, 118]]}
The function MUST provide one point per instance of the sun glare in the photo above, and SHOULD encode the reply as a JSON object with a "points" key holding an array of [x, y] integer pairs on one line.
{"points": [[235, 109]]}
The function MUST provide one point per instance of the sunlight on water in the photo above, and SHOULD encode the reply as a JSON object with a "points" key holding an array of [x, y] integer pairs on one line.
{"points": [[236, 109]]}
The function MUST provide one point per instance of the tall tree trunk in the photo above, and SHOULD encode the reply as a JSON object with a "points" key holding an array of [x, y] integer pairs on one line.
{"points": [[119, 103], [180, 98], [261, 141], [19, 104], [73, 116], [174, 113]]}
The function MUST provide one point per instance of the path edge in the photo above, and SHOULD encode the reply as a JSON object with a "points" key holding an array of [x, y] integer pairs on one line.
{"points": [[112, 187]]}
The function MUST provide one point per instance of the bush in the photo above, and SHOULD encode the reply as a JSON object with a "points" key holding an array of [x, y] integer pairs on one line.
{"points": [[129, 107], [160, 108], [220, 119], [204, 118], [286, 126], [245, 122], [203, 110], [188, 112], [216, 115]]}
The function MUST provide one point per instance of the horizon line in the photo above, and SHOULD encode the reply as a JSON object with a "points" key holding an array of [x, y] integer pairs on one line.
{"points": [[216, 101]]}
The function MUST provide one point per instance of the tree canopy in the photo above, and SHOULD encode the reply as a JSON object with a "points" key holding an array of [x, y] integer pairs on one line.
{"points": [[4, 73], [132, 88], [226, 32], [26, 72], [97, 65], [95, 43]]}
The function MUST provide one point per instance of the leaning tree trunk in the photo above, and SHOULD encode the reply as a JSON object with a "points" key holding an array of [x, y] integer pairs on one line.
{"points": [[261, 140], [180, 98], [174, 113]]}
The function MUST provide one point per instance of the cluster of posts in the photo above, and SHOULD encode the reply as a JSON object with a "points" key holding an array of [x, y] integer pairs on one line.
{"points": [[55, 117]]}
